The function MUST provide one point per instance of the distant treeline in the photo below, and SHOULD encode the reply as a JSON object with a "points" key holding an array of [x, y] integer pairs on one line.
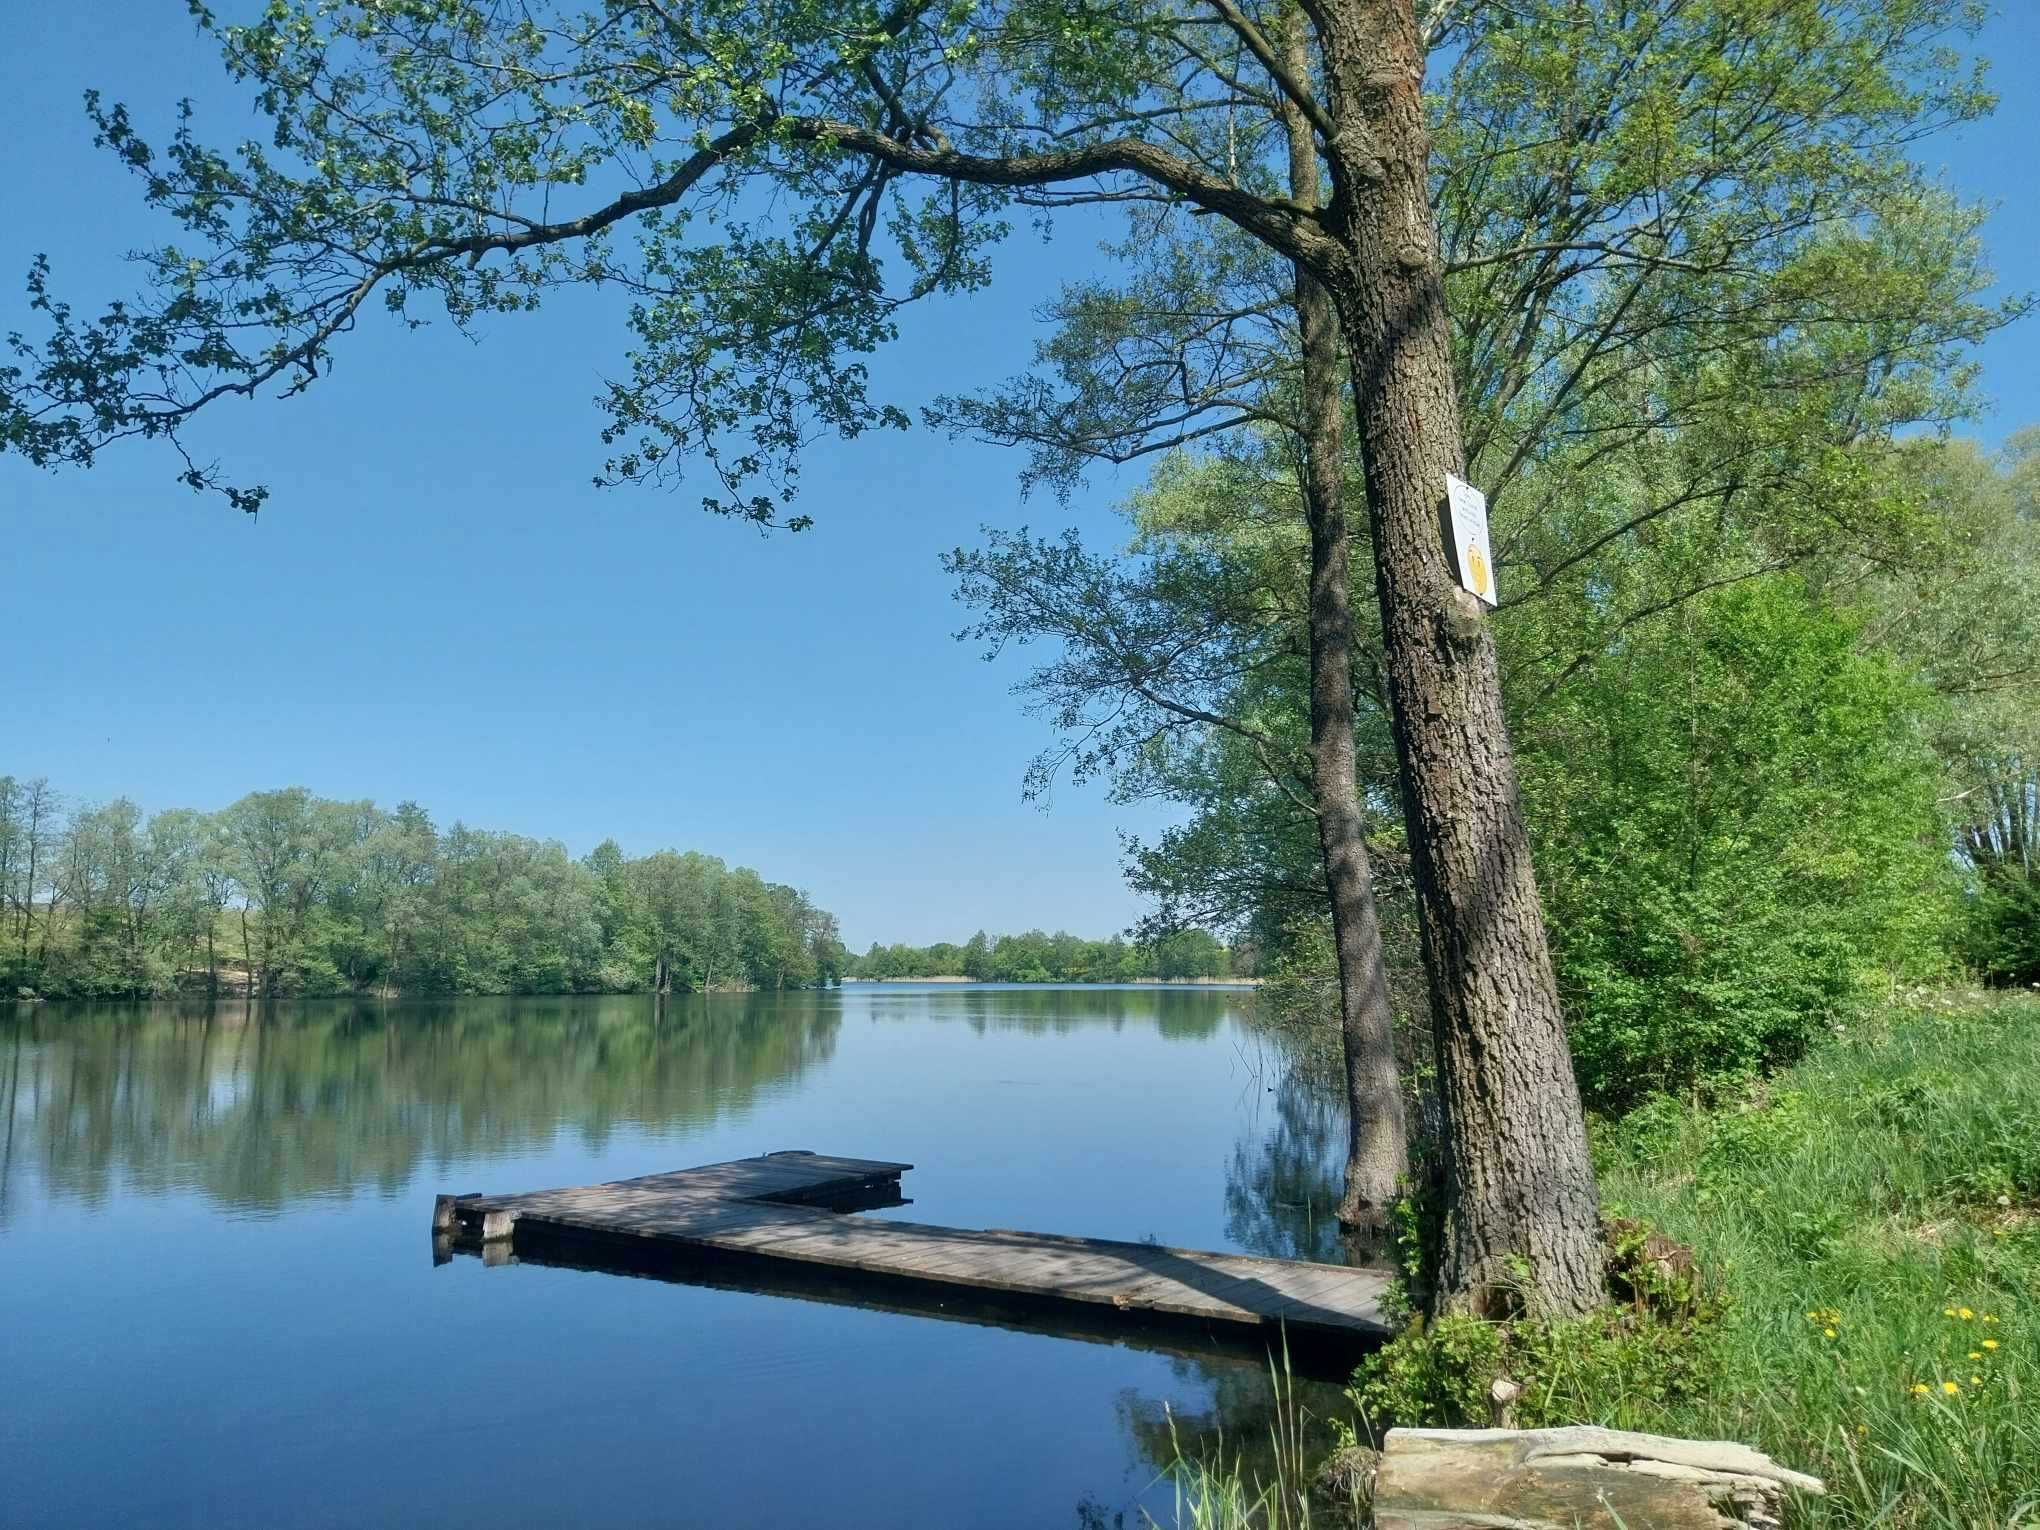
{"points": [[287, 893], [1058, 958]]}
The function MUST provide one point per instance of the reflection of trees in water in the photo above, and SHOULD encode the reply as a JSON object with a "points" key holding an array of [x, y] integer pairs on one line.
{"points": [[16, 1045], [1281, 1196], [1190, 1014], [1282, 1185], [259, 1105], [1240, 1406]]}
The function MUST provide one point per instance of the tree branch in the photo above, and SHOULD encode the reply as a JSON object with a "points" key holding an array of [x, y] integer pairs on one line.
{"points": [[1289, 227], [1297, 90]]}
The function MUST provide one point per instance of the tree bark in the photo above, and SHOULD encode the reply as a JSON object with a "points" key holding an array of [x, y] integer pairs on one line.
{"points": [[38, 802], [1377, 1141], [1520, 1214]]}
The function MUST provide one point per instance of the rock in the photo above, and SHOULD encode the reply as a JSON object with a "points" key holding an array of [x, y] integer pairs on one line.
{"points": [[1576, 1478], [1502, 1394]]}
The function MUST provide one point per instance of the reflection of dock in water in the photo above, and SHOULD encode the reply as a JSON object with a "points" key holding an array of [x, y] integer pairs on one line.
{"points": [[781, 1224]]}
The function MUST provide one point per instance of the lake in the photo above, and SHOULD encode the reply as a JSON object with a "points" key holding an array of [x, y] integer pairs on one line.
{"points": [[221, 1307]]}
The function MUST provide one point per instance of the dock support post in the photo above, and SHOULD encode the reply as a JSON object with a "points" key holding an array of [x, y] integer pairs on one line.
{"points": [[497, 1224]]}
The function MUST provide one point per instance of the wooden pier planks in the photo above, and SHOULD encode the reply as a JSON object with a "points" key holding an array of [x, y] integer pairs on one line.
{"points": [[776, 1208]]}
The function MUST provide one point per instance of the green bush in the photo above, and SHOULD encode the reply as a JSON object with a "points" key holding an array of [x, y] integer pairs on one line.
{"points": [[1735, 826], [2001, 933], [1656, 1346], [1438, 1374]]}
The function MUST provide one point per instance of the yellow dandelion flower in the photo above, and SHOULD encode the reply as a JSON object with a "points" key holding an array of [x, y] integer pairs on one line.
{"points": [[1976, 1381], [1919, 1389], [1829, 1332], [1976, 1354], [1950, 1388], [1862, 1429], [1947, 1312], [1990, 1343], [1964, 1313], [1988, 1318]]}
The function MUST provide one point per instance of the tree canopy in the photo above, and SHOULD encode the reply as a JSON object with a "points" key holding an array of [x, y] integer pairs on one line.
{"points": [[1036, 957], [291, 893]]}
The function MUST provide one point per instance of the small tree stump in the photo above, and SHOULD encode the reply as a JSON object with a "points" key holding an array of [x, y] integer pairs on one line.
{"points": [[1576, 1479], [1344, 1484]]}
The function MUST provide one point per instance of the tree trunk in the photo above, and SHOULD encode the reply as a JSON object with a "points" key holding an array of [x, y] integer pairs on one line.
{"points": [[662, 976], [1520, 1215], [28, 886], [1377, 1141]]}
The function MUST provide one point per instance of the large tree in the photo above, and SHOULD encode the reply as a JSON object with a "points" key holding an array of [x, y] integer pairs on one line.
{"points": [[1697, 279], [778, 164]]}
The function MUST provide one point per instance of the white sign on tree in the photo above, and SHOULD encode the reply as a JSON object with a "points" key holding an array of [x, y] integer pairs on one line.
{"points": [[1476, 565]]}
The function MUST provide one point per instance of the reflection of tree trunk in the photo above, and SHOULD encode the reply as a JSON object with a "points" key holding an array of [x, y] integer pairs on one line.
{"points": [[201, 1094], [241, 1037], [1377, 1144], [13, 1089]]}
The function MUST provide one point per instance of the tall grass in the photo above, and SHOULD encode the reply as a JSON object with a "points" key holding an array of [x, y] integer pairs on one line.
{"points": [[1873, 1215], [1217, 1490], [1871, 1218]]}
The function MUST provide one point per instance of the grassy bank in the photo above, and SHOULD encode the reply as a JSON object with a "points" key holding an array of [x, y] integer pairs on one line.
{"points": [[1868, 1223], [1873, 1217]]}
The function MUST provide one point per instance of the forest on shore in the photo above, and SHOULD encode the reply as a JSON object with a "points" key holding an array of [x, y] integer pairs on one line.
{"points": [[286, 893], [1035, 957]]}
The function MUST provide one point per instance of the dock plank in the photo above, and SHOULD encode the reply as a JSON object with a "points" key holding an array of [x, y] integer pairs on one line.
{"points": [[766, 1209]]}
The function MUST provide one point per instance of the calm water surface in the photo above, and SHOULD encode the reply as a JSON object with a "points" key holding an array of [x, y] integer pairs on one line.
{"points": [[220, 1306]]}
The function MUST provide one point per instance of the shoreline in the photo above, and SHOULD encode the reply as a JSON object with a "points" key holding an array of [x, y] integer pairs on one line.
{"points": [[1144, 982]]}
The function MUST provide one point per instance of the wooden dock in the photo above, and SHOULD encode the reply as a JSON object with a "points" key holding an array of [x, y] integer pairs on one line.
{"points": [[787, 1217]]}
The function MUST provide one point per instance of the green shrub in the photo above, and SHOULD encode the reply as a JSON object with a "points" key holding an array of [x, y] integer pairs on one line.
{"points": [[2001, 932], [1736, 834], [1438, 1374], [1655, 1346]]}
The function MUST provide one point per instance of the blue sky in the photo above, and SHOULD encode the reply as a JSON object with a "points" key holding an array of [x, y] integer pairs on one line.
{"points": [[437, 605]]}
